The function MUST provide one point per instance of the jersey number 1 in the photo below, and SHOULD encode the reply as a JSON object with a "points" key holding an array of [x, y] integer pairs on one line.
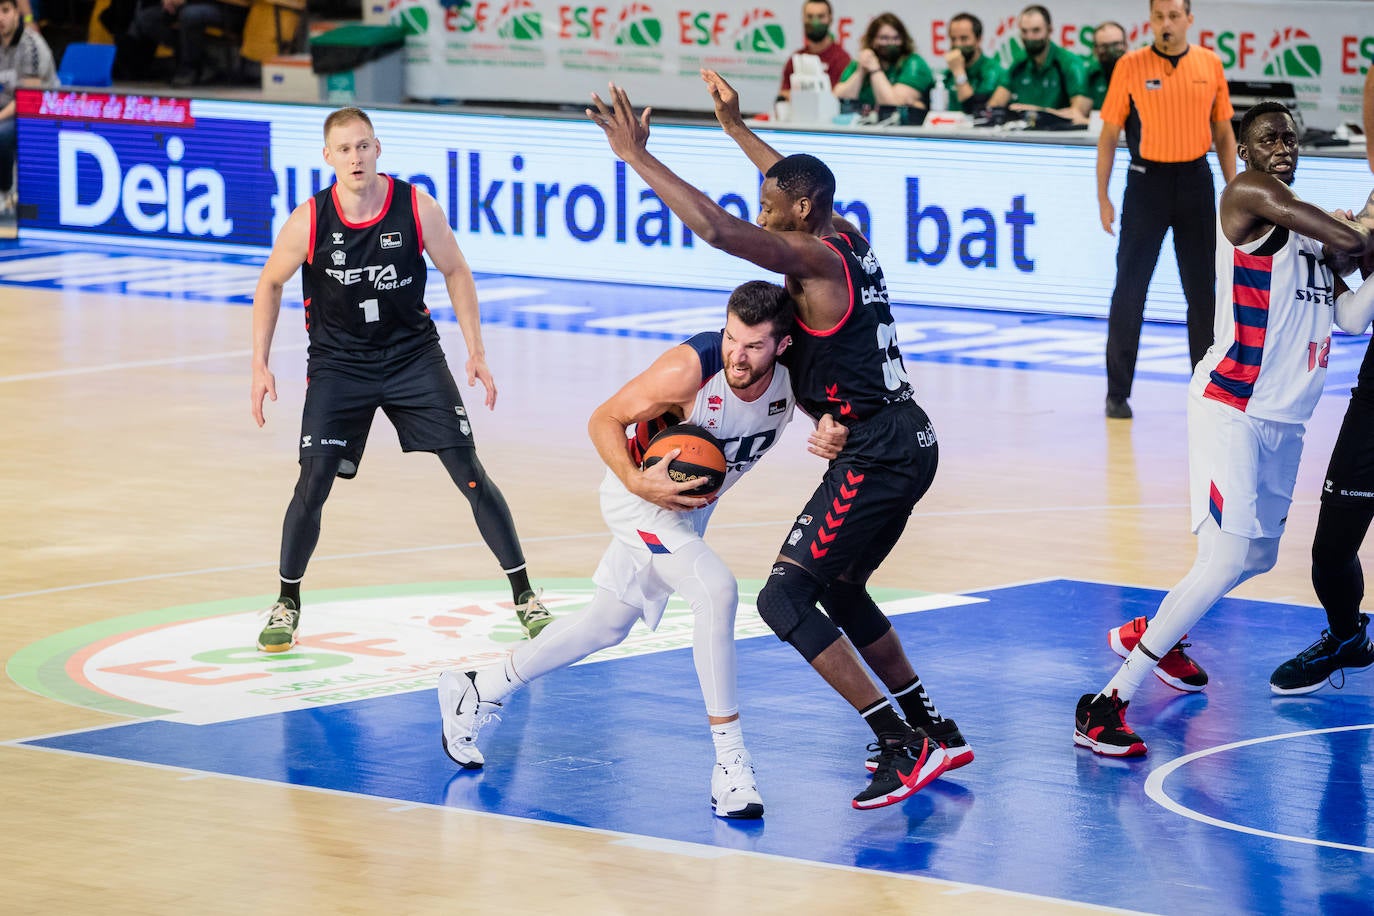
{"points": [[370, 311]]}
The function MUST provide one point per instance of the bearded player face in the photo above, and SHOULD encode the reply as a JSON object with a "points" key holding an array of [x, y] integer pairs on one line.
{"points": [[750, 351]]}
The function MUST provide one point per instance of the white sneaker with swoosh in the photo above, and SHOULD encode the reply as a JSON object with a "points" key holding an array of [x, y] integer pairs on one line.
{"points": [[464, 713]]}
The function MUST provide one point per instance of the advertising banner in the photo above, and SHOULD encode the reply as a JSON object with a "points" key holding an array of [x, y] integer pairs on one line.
{"points": [[559, 51], [980, 224]]}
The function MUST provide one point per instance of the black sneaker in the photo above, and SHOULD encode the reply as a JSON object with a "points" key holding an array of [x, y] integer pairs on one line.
{"points": [[906, 765], [946, 734], [1118, 408], [1100, 726], [1313, 667]]}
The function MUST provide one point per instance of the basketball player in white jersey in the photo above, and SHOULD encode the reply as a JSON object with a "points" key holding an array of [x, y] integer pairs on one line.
{"points": [[729, 382], [1248, 406]]}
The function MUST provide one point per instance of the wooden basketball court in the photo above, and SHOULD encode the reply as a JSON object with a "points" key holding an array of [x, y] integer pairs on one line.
{"points": [[135, 479]]}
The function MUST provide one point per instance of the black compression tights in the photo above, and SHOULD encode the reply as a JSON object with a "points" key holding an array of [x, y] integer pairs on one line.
{"points": [[1336, 573], [489, 507], [300, 532], [301, 529]]}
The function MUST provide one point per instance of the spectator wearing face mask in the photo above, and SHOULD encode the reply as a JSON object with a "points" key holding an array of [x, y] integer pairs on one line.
{"points": [[1049, 78], [1109, 44], [888, 71], [975, 81], [817, 18]]}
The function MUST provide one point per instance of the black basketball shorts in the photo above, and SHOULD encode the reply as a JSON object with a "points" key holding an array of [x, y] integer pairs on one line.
{"points": [[860, 509], [1350, 473], [417, 392]]}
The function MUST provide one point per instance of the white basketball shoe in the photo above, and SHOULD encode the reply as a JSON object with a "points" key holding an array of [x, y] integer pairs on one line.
{"points": [[464, 713], [733, 790]]}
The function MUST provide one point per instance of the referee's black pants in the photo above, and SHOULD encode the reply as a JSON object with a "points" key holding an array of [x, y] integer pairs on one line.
{"points": [[1161, 196]]}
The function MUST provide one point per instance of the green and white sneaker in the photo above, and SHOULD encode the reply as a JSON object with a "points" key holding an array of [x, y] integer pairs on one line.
{"points": [[280, 632], [533, 616]]}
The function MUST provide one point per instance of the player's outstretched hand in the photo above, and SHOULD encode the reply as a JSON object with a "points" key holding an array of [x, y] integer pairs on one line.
{"points": [[828, 438], [264, 385], [655, 486], [627, 134], [478, 372], [725, 98]]}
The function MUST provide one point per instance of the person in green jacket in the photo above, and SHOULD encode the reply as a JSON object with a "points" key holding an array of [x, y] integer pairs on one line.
{"points": [[888, 71], [975, 81], [1109, 44], [1049, 78]]}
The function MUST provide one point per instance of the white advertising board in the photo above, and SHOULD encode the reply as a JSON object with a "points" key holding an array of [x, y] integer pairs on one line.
{"points": [[559, 51], [982, 224]]}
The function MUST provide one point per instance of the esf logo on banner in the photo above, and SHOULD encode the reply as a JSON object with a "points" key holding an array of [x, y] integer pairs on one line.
{"points": [[209, 181]]}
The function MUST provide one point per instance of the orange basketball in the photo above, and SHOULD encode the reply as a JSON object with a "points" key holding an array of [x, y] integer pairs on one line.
{"points": [[701, 456]]}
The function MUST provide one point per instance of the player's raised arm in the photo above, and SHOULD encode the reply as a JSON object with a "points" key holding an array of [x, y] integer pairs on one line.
{"points": [[462, 291], [1256, 200], [794, 253], [726, 101], [288, 254], [667, 386]]}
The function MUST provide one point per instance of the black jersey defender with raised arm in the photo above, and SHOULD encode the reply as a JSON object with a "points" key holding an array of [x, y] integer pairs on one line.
{"points": [[854, 369]]}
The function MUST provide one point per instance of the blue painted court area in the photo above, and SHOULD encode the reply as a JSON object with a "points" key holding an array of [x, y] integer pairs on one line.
{"points": [[1276, 826], [926, 332]]}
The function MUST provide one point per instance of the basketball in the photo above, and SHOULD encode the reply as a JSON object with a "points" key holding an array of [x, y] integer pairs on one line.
{"points": [[701, 456]]}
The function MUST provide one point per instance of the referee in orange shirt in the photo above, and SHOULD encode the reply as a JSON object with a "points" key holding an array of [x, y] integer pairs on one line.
{"points": [[1172, 101]]}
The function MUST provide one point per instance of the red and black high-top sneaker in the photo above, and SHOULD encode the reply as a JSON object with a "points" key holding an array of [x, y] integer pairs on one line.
{"points": [[1100, 725], [946, 734], [1176, 668]]}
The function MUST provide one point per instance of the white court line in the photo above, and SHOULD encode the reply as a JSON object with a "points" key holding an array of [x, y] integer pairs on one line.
{"points": [[776, 523], [141, 364], [1154, 787], [613, 837], [245, 566]]}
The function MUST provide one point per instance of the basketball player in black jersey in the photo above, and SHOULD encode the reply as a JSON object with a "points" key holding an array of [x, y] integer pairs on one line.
{"points": [[844, 362], [1347, 507], [360, 246]]}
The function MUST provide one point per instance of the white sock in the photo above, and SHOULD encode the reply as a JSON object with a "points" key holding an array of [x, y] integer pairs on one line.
{"points": [[728, 738], [1132, 673], [497, 682]]}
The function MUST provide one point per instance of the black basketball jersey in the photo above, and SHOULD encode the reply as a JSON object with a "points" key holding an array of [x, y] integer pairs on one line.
{"points": [[1364, 385], [853, 370], [364, 283]]}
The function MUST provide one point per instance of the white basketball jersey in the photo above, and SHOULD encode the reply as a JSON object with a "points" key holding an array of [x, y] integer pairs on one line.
{"points": [[746, 429], [1273, 327]]}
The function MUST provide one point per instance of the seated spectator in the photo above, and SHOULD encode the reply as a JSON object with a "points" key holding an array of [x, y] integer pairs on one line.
{"points": [[1049, 78], [974, 80], [25, 60], [1109, 44], [888, 70], [181, 25], [817, 16]]}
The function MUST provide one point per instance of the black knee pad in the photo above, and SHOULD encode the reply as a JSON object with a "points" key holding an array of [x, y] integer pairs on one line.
{"points": [[787, 603], [855, 612]]}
